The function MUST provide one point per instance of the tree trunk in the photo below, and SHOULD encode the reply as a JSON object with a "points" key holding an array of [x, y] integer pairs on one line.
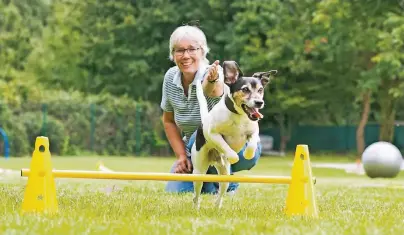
{"points": [[387, 119], [366, 101], [285, 132], [360, 130], [387, 112], [284, 142]]}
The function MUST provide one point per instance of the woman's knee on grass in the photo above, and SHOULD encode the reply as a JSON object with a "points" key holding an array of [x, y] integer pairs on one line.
{"points": [[179, 187]]}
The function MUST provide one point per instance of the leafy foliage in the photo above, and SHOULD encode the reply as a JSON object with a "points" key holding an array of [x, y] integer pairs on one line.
{"points": [[330, 54]]}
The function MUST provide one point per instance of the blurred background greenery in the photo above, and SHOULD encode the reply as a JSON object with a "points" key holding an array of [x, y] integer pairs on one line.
{"points": [[88, 74]]}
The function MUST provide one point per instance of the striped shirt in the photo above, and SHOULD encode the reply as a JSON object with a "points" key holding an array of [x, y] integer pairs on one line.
{"points": [[186, 109]]}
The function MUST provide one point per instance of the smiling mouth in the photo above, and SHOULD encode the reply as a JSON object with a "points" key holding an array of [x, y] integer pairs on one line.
{"points": [[252, 113], [186, 64]]}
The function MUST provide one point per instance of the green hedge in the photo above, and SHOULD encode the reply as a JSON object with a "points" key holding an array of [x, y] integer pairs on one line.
{"points": [[78, 124], [16, 131]]}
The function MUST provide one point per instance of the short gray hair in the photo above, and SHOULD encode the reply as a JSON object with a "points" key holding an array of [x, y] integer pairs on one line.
{"points": [[192, 33]]}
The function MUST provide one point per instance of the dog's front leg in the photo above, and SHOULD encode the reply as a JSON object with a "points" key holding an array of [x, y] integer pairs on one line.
{"points": [[221, 145], [252, 143]]}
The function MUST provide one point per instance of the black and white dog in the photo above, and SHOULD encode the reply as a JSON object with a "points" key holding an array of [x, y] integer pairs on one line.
{"points": [[230, 124]]}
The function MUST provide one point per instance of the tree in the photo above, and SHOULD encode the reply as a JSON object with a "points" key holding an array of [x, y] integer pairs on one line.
{"points": [[390, 64], [354, 26], [280, 35], [21, 22]]}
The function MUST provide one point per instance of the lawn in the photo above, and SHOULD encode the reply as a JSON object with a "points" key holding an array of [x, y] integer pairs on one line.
{"points": [[348, 204]]}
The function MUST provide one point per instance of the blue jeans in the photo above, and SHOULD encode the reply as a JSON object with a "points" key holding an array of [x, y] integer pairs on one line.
{"points": [[212, 187]]}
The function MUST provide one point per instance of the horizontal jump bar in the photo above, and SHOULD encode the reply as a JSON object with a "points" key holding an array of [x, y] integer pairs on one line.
{"points": [[165, 176]]}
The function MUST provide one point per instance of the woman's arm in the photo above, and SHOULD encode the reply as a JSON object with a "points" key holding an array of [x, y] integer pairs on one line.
{"points": [[174, 138], [170, 127], [213, 82], [173, 135], [213, 89]]}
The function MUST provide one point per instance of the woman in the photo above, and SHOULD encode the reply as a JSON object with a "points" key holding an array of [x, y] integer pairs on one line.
{"points": [[181, 117]]}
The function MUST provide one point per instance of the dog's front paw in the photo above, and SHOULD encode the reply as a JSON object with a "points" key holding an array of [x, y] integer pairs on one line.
{"points": [[232, 157], [249, 152]]}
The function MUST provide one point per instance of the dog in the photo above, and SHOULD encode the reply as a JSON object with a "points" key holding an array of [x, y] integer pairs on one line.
{"points": [[230, 124]]}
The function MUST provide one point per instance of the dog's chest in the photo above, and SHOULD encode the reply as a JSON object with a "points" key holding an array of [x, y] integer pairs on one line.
{"points": [[236, 132]]}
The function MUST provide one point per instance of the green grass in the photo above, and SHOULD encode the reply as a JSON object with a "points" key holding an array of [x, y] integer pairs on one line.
{"points": [[348, 204]]}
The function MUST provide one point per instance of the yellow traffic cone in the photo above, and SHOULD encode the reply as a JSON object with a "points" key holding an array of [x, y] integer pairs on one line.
{"points": [[40, 193], [301, 199]]}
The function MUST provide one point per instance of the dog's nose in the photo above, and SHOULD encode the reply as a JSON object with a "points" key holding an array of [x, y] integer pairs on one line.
{"points": [[259, 103]]}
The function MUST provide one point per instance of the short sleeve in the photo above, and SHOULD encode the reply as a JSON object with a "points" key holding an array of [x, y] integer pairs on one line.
{"points": [[165, 102]]}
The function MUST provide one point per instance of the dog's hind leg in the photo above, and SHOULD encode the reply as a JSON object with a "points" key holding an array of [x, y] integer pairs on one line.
{"points": [[200, 165], [223, 168]]}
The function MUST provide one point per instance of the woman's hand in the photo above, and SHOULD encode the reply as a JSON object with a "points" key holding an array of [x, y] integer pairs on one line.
{"points": [[212, 75], [183, 165]]}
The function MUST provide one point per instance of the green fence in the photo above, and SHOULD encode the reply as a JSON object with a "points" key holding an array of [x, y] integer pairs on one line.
{"points": [[133, 129], [132, 132], [332, 138], [86, 128]]}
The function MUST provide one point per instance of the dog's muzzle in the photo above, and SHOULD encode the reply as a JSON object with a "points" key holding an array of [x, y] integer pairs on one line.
{"points": [[252, 113]]}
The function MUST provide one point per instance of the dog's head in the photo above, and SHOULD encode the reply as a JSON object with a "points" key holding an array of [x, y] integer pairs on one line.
{"points": [[247, 92]]}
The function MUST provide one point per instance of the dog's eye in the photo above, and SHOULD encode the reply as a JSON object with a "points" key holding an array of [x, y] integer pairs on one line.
{"points": [[261, 90], [246, 90]]}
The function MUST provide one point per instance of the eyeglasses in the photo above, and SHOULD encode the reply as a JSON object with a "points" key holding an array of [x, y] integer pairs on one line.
{"points": [[181, 52]]}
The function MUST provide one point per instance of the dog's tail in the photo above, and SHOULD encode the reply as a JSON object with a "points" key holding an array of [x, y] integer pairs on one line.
{"points": [[203, 104]]}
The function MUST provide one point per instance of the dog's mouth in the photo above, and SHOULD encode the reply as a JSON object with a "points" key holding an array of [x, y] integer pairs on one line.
{"points": [[252, 113]]}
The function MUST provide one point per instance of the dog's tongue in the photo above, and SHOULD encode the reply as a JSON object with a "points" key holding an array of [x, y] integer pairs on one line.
{"points": [[256, 114]]}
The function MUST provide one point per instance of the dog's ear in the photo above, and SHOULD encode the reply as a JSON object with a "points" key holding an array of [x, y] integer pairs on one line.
{"points": [[265, 77], [231, 72]]}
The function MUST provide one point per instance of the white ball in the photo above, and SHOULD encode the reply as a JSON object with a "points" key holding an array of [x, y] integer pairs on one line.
{"points": [[382, 160]]}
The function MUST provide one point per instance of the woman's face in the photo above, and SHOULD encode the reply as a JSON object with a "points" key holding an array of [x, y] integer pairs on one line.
{"points": [[187, 56]]}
